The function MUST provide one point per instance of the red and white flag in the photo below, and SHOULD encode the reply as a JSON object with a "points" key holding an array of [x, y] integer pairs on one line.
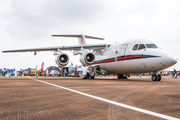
{"points": [[42, 68]]}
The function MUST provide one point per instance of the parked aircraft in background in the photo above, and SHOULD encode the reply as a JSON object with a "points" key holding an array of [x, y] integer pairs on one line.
{"points": [[125, 58]]}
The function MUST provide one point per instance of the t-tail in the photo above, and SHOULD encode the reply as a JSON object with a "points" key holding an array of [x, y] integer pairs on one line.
{"points": [[81, 38]]}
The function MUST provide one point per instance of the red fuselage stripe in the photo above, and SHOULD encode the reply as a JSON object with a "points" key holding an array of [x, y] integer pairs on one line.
{"points": [[129, 57], [104, 61]]}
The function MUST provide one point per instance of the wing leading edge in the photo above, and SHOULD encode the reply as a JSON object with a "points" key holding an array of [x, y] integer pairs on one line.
{"points": [[75, 47]]}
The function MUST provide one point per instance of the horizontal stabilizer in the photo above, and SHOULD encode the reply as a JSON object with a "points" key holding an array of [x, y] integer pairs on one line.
{"points": [[79, 36]]}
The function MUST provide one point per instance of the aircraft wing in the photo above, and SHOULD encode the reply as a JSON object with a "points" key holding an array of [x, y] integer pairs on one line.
{"points": [[75, 47]]}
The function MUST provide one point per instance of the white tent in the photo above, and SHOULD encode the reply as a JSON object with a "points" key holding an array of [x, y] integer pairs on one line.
{"points": [[80, 69]]}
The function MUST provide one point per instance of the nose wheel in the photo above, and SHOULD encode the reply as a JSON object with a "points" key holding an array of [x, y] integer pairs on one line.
{"points": [[156, 77]]}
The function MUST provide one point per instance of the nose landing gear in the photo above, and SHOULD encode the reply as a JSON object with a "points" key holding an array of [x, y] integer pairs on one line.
{"points": [[156, 77]]}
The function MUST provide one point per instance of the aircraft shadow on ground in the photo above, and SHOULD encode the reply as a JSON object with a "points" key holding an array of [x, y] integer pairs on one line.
{"points": [[102, 79]]}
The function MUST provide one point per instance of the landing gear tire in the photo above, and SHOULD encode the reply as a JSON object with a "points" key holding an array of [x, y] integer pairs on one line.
{"points": [[92, 77], [87, 76], [159, 78], [121, 76], [154, 77]]}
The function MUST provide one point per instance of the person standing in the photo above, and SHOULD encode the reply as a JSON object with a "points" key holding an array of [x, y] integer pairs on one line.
{"points": [[174, 73]]}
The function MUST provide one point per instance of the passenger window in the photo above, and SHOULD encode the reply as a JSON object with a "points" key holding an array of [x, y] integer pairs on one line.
{"points": [[135, 47], [141, 46]]}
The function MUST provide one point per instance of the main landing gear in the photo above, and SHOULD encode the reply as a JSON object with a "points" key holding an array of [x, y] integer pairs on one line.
{"points": [[90, 75], [121, 76], [156, 77]]}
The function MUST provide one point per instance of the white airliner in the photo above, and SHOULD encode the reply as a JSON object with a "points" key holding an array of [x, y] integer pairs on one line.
{"points": [[130, 57]]}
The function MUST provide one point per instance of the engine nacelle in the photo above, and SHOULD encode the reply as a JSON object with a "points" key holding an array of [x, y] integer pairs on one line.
{"points": [[62, 59], [87, 58]]}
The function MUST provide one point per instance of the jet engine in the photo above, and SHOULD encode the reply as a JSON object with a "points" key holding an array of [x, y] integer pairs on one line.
{"points": [[87, 58], [62, 59]]}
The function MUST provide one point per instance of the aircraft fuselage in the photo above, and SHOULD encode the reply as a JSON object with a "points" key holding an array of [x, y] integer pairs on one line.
{"points": [[133, 56]]}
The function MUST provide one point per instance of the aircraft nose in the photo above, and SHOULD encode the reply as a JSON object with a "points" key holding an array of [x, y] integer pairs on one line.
{"points": [[168, 60], [172, 60]]}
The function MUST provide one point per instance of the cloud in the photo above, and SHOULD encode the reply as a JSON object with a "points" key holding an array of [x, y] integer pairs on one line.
{"points": [[27, 24], [38, 19]]}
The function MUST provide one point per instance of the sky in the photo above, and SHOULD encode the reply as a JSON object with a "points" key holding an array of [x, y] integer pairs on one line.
{"points": [[30, 24]]}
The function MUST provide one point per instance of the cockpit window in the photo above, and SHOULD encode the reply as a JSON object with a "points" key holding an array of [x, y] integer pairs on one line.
{"points": [[151, 46], [135, 47], [141, 46]]}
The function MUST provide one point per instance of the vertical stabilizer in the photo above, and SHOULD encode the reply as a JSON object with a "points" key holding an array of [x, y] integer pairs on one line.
{"points": [[81, 40]]}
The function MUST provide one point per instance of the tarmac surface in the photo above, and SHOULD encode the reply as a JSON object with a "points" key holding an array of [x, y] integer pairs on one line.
{"points": [[27, 98]]}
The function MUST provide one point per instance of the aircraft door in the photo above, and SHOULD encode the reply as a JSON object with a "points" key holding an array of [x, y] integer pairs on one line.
{"points": [[123, 50]]}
